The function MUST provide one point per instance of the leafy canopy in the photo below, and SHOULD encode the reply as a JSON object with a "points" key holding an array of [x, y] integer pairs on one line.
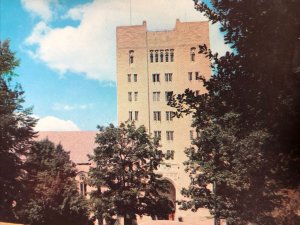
{"points": [[16, 132], [52, 196], [248, 119], [124, 173]]}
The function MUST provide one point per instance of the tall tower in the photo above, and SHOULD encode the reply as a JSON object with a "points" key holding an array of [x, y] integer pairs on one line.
{"points": [[151, 66]]}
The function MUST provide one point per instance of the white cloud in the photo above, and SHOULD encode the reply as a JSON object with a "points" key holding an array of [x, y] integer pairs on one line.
{"points": [[68, 107], [41, 8], [89, 48], [51, 123]]}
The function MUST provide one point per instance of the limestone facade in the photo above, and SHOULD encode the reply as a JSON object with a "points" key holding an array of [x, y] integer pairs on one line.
{"points": [[151, 65]]}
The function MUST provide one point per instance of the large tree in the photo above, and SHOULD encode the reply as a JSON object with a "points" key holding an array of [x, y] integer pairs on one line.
{"points": [[124, 174], [16, 132], [248, 119], [52, 195]]}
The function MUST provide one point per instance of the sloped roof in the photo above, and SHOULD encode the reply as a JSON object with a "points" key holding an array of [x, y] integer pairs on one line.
{"points": [[78, 143]]}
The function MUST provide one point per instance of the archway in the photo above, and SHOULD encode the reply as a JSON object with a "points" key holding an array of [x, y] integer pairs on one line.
{"points": [[166, 207]]}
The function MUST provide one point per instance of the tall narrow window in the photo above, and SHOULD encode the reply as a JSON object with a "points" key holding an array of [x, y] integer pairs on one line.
{"points": [[82, 184], [135, 77], [156, 116], [135, 96], [156, 55], [161, 55], [193, 53], [170, 135], [130, 96], [167, 55], [130, 116], [131, 56], [129, 77], [197, 93], [151, 56], [197, 76], [157, 134], [168, 77], [136, 115], [190, 76], [155, 77], [168, 95], [172, 55], [156, 96]]}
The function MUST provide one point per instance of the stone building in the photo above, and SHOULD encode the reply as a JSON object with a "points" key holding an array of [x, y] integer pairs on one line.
{"points": [[151, 67]]}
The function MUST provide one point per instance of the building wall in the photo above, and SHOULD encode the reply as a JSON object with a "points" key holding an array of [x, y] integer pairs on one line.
{"points": [[181, 39]]}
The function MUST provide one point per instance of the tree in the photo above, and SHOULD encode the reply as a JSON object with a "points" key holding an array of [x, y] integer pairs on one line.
{"points": [[124, 173], [16, 132], [249, 118], [51, 189]]}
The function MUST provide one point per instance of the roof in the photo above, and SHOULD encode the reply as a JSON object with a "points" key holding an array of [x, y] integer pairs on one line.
{"points": [[78, 143]]}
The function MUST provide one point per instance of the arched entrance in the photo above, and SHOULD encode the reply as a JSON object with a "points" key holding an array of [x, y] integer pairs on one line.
{"points": [[166, 207]]}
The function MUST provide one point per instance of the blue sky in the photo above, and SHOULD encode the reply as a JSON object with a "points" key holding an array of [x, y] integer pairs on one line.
{"points": [[67, 53]]}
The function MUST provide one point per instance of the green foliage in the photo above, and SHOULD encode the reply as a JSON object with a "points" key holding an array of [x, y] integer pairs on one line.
{"points": [[52, 196], [123, 174], [16, 132], [248, 149]]}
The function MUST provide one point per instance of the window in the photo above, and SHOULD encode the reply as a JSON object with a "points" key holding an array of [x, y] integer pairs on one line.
{"points": [[135, 96], [156, 55], [130, 96], [83, 188], [169, 95], [172, 55], [156, 116], [168, 77], [136, 115], [129, 77], [157, 134], [197, 92], [197, 76], [169, 115], [161, 55], [167, 55], [82, 184], [190, 75], [135, 77], [130, 116], [151, 56], [170, 135], [155, 77], [191, 135], [193, 50], [170, 154], [156, 96], [131, 56]]}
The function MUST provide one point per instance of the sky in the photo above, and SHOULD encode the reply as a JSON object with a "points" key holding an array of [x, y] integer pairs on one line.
{"points": [[67, 52]]}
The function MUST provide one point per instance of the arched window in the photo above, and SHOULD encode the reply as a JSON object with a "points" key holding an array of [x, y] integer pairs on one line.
{"points": [[167, 55], [151, 56], [131, 56], [193, 53], [172, 55], [82, 184], [156, 55], [161, 55]]}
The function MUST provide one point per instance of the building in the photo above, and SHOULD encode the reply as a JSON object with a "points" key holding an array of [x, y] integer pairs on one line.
{"points": [[151, 67], [79, 144]]}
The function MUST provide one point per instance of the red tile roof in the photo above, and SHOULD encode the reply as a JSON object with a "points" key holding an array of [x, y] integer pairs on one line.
{"points": [[78, 143]]}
